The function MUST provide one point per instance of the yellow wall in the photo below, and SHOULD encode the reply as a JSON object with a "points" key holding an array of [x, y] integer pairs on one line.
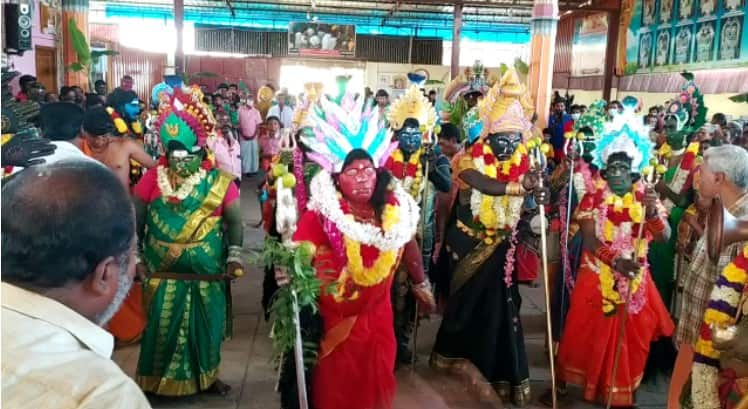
{"points": [[715, 102]]}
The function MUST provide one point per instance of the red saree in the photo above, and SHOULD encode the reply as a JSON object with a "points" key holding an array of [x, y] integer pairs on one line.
{"points": [[590, 336], [355, 367]]}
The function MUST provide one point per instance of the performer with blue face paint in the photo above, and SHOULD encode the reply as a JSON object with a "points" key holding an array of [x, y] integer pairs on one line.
{"points": [[413, 119]]}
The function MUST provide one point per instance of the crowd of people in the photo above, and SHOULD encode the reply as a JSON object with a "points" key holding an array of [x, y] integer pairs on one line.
{"points": [[125, 215]]}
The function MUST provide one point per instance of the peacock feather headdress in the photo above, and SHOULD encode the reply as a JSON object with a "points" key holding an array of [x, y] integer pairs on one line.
{"points": [[412, 104], [688, 107], [594, 119], [503, 109], [626, 133], [337, 130]]}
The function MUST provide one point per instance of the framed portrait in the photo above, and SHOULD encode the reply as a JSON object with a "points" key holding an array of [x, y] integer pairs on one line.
{"points": [[733, 5], [645, 49], [705, 37], [707, 8], [685, 9], [682, 44], [666, 10], [648, 12], [662, 48], [730, 38]]}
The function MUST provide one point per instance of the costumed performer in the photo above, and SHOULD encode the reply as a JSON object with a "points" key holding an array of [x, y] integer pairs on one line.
{"points": [[610, 219], [412, 119], [188, 215], [481, 331], [360, 226]]}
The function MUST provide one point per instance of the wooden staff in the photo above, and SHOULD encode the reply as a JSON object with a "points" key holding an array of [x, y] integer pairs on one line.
{"points": [[427, 147], [650, 178], [538, 163]]}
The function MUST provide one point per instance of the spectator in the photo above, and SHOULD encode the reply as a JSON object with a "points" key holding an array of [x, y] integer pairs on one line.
{"points": [[269, 141], [614, 108], [67, 94], [222, 89], [100, 87], [576, 112], [25, 82], [559, 123], [719, 119], [432, 97], [95, 100], [68, 262], [281, 110], [249, 123], [62, 122], [225, 146]]}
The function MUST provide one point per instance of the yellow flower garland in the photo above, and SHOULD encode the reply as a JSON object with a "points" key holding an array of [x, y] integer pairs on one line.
{"points": [[491, 207], [415, 160]]}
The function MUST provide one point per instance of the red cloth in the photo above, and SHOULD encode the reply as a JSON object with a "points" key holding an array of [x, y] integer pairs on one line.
{"points": [[359, 372], [528, 264], [147, 190], [588, 344], [129, 322]]}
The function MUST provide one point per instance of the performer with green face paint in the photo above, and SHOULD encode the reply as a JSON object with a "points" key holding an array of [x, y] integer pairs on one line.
{"points": [[190, 236]]}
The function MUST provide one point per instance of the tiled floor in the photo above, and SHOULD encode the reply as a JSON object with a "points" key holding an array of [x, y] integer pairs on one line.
{"points": [[247, 368]]}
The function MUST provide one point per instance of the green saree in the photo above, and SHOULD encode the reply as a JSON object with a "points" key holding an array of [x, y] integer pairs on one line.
{"points": [[187, 318]]}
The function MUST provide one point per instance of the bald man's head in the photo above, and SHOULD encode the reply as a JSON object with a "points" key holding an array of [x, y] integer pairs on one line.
{"points": [[60, 221]]}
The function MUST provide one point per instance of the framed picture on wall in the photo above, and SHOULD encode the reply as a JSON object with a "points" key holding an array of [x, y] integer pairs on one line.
{"points": [[705, 36], [730, 38], [645, 49], [666, 11], [733, 5], [648, 12], [682, 47], [707, 7], [662, 48], [685, 9]]}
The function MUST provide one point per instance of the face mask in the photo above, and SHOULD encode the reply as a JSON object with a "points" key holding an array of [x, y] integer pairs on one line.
{"points": [[612, 112], [575, 116]]}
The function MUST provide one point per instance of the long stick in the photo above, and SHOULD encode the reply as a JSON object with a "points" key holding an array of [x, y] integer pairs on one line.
{"points": [[299, 356], [543, 245], [622, 326], [565, 239], [424, 216]]}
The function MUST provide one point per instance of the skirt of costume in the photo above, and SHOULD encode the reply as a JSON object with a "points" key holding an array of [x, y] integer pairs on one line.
{"points": [[589, 341], [481, 329]]}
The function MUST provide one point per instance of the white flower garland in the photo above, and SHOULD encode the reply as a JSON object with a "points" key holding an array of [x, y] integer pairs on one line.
{"points": [[408, 182], [325, 201], [187, 186], [704, 391], [579, 186], [676, 185], [508, 209]]}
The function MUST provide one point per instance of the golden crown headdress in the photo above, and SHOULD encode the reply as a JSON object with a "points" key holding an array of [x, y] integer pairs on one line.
{"points": [[412, 104], [505, 107], [313, 91]]}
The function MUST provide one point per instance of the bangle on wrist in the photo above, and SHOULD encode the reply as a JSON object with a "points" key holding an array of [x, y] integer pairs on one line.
{"points": [[606, 255], [655, 225], [234, 254]]}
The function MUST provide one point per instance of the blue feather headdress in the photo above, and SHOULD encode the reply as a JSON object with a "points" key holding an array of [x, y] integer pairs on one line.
{"points": [[337, 130], [625, 133]]}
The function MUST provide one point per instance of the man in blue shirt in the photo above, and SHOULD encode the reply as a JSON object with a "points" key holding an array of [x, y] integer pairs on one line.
{"points": [[559, 123]]}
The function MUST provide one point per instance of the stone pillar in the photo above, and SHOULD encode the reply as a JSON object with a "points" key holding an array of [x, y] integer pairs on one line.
{"points": [[542, 50], [78, 11], [456, 35]]}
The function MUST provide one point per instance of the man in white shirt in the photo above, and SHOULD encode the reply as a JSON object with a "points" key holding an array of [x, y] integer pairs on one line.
{"points": [[67, 264], [62, 123], [282, 110]]}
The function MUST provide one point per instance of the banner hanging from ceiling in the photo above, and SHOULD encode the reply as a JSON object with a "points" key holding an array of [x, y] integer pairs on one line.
{"points": [[311, 39], [676, 35], [588, 46]]}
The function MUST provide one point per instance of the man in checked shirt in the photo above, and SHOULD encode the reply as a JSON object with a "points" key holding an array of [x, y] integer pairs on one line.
{"points": [[724, 174]]}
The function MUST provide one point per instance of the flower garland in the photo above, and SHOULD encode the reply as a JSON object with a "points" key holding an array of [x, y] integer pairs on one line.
{"points": [[324, 200], [687, 163], [616, 222], [498, 212], [720, 318], [300, 188], [410, 174], [184, 190]]}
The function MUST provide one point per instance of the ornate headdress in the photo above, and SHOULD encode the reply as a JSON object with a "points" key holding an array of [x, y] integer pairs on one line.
{"points": [[189, 124], [412, 104], [626, 133], [688, 107], [338, 130], [454, 108], [594, 119], [503, 110], [301, 111], [157, 93]]}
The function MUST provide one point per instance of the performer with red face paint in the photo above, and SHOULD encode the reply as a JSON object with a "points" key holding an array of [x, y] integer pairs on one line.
{"points": [[361, 227]]}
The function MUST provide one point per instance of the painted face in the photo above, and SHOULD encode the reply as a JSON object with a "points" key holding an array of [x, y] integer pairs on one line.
{"points": [[357, 181], [409, 139], [183, 163], [618, 175], [132, 108], [503, 144]]}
